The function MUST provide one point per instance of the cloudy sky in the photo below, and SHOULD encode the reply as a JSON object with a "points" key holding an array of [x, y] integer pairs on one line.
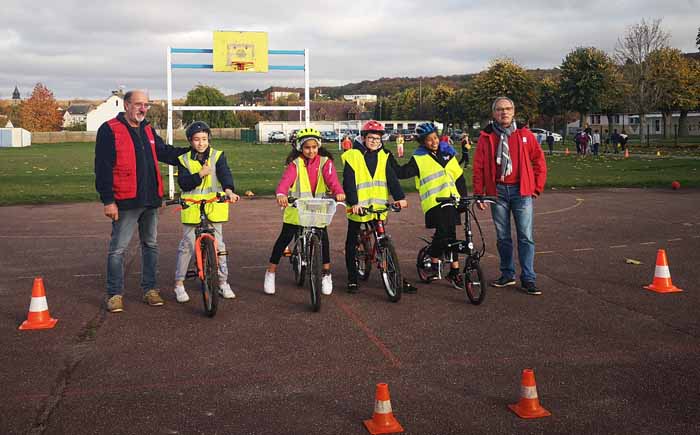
{"points": [[86, 49]]}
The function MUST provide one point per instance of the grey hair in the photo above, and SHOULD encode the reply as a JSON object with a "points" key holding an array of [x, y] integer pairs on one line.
{"points": [[501, 98], [129, 94]]}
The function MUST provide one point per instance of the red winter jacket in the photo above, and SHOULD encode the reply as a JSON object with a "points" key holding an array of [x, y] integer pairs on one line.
{"points": [[533, 168]]}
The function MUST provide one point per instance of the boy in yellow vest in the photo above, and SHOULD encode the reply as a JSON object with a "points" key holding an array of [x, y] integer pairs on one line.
{"points": [[437, 174], [202, 173], [367, 180]]}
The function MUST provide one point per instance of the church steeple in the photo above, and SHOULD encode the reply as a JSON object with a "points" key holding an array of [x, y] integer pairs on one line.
{"points": [[15, 94]]}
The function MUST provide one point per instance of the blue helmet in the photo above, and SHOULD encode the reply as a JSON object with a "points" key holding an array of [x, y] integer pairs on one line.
{"points": [[423, 130]]}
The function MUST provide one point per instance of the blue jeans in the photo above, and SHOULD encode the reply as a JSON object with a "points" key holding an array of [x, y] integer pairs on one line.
{"points": [[122, 231], [510, 201]]}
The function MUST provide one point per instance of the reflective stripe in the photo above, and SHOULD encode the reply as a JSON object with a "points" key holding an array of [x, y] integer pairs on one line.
{"points": [[662, 272], [370, 184], [432, 177], [528, 392], [38, 305], [436, 190], [382, 406]]}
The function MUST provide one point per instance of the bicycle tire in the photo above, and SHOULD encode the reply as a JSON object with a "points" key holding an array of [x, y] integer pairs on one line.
{"points": [[474, 284], [391, 272], [315, 272], [210, 283], [422, 261], [363, 257], [297, 267]]}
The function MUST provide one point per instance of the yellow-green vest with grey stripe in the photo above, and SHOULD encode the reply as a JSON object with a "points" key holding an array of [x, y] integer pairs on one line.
{"points": [[207, 189], [434, 181], [302, 188], [370, 190]]}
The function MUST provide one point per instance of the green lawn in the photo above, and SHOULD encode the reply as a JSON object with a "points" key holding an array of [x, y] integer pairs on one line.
{"points": [[49, 173]]}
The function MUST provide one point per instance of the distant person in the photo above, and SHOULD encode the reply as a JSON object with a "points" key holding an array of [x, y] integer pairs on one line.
{"points": [[584, 140], [399, 145], [203, 173], [509, 164], [550, 143], [577, 141], [623, 141], [347, 143], [615, 140], [466, 145], [127, 177], [606, 135], [596, 142]]}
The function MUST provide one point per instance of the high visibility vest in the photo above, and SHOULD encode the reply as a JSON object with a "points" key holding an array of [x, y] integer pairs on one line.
{"points": [[370, 190], [207, 189], [434, 181], [302, 188]]}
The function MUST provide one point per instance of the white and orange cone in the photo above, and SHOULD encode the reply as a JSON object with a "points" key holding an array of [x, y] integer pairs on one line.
{"points": [[38, 317], [529, 404], [662, 276], [383, 420]]}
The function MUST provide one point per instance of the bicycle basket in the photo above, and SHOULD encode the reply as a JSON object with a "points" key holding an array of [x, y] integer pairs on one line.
{"points": [[315, 212]]}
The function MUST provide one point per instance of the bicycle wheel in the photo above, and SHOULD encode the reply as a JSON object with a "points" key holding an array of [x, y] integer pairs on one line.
{"points": [[474, 284], [315, 271], [423, 264], [391, 272], [298, 267], [363, 256], [210, 284]]}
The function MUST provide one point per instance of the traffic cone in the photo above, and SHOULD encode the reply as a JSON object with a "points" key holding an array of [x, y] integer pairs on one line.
{"points": [[658, 153], [662, 276], [627, 153], [383, 420], [566, 151], [38, 317], [529, 405]]}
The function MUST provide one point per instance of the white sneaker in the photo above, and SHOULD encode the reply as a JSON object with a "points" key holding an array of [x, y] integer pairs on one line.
{"points": [[327, 284], [225, 291], [269, 283], [181, 294]]}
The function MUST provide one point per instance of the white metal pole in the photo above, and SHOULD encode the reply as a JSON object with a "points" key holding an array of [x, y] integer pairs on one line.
{"points": [[307, 104], [169, 134]]}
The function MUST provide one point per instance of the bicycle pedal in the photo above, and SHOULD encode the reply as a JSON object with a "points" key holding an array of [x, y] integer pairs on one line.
{"points": [[191, 274], [222, 253]]}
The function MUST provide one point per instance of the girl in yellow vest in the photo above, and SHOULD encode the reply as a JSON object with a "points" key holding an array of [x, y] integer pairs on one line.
{"points": [[437, 174], [309, 173], [202, 173]]}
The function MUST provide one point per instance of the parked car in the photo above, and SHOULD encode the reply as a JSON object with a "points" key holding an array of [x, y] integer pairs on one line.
{"points": [[352, 133], [276, 136], [329, 136], [536, 131], [408, 135], [456, 135]]}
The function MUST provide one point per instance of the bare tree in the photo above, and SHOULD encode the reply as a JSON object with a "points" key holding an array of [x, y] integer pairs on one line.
{"points": [[632, 54]]}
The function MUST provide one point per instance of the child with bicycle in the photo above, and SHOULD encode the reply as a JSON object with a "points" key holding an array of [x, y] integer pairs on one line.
{"points": [[203, 173], [368, 178], [437, 174], [309, 173]]}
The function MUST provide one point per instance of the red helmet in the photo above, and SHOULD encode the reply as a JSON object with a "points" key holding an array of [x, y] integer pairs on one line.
{"points": [[373, 127]]}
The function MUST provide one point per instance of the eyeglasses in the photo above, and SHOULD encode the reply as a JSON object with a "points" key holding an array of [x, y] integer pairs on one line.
{"points": [[374, 138], [141, 105], [504, 109]]}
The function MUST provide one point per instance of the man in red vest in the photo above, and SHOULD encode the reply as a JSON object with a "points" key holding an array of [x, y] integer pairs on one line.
{"points": [[127, 177]]}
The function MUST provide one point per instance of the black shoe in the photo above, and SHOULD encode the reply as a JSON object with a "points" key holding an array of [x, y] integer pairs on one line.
{"points": [[531, 288], [409, 288], [455, 278], [503, 282], [353, 287]]}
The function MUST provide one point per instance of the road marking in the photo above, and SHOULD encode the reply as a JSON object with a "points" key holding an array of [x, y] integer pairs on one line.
{"points": [[688, 224], [617, 246], [545, 252], [583, 249], [88, 274], [579, 201], [648, 243], [696, 237], [254, 267], [674, 240]]}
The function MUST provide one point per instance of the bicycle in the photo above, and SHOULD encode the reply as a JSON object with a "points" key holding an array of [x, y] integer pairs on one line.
{"points": [[206, 252], [307, 259], [375, 245], [472, 274]]}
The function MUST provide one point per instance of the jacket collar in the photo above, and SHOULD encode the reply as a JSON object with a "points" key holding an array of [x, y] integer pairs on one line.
{"points": [[203, 157], [490, 130]]}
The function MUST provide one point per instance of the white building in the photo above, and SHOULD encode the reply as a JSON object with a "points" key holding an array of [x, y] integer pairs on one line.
{"points": [[75, 114], [15, 137], [104, 112], [361, 98], [264, 128]]}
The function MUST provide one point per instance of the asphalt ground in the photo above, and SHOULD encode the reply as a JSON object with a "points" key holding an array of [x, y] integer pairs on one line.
{"points": [[609, 356]]}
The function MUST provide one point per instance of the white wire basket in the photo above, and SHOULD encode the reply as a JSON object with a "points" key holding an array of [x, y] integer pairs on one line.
{"points": [[315, 212]]}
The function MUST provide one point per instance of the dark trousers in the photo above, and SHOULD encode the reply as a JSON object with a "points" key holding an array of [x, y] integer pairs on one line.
{"points": [[444, 220], [287, 235], [350, 241]]}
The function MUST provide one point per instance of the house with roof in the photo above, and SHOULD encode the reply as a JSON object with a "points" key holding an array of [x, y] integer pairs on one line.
{"points": [[75, 114]]}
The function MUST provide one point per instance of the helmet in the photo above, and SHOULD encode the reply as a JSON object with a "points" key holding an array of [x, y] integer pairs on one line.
{"points": [[197, 127], [423, 130], [373, 127], [305, 134]]}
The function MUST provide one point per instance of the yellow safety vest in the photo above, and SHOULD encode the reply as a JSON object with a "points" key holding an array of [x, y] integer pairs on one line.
{"points": [[302, 188], [370, 190], [434, 181], [207, 189]]}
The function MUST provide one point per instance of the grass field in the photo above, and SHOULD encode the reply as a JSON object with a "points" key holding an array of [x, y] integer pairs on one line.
{"points": [[50, 173]]}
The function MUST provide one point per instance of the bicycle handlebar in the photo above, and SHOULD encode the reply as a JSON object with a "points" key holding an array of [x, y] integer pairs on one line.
{"points": [[183, 201], [466, 200], [395, 207]]}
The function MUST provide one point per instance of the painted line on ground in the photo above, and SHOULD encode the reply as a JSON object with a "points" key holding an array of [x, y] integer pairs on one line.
{"points": [[545, 252], [583, 249], [674, 240], [87, 274], [254, 267], [579, 201], [617, 246], [648, 243]]}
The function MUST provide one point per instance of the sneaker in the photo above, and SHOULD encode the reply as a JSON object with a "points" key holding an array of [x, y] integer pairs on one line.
{"points": [[531, 288], [433, 273], [409, 288], [353, 287], [115, 304], [503, 282], [152, 298], [455, 278], [269, 283], [225, 291], [181, 294], [327, 284]]}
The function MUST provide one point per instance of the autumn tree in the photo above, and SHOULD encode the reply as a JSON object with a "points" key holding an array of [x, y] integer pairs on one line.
{"points": [[209, 96], [40, 112], [443, 109], [549, 103], [506, 78], [466, 106]]}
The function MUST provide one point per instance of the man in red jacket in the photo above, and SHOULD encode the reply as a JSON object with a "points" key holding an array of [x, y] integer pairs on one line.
{"points": [[509, 163]]}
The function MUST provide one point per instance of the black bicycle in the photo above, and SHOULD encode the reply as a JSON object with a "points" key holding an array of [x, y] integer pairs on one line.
{"points": [[375, 245], [206, 252], [472, 274]]}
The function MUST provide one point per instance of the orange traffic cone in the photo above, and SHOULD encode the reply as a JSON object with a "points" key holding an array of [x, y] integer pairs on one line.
{"points": [[383, 420], [662, 276], [627, 153], [566, 152], [38, 317], [529, 405]]}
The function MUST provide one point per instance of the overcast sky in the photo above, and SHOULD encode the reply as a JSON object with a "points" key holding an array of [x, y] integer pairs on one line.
{"points": [[87, 48]]}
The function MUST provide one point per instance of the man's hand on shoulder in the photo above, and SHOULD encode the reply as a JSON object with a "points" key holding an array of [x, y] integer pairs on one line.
{"points": [[111, 211]]}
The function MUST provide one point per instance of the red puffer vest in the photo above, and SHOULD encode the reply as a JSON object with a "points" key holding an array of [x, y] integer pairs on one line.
{"points": [[124, 171]]}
